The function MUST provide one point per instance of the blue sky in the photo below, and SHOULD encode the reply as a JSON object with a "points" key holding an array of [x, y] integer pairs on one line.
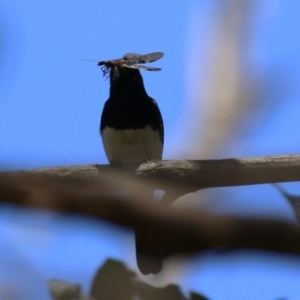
{"points": [[50, 108]]}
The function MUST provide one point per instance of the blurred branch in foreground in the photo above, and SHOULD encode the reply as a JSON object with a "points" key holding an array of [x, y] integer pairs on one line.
{"points": [[293, 200], [183, 231], [222, 86], [114, 281]]}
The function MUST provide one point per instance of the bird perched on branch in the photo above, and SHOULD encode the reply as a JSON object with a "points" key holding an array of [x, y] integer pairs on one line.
{"points": [[132, 128]]}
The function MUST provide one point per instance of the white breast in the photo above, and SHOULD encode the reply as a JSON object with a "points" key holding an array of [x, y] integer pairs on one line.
{"points": [[132, 145]]}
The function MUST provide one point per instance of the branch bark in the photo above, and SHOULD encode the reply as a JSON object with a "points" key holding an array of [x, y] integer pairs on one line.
{"points": [[192, 175]]}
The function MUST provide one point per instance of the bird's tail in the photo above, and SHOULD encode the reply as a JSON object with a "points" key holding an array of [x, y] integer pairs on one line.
{"points": [[147, 263]]}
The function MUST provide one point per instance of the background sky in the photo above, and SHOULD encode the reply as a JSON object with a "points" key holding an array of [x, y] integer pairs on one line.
{"points": [[50, 106]]}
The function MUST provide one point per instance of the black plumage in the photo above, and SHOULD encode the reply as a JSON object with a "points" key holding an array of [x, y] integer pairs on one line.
{"points": [[128, 105], [132, 131]]}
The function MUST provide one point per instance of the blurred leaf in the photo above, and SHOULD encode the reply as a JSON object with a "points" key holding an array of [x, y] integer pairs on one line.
{"points": [[148, 292], [115, 281], [293, 200], [63, 290], [195, 296]]}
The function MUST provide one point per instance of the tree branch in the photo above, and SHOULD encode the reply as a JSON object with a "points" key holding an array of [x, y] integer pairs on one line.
{"points": [[83, 190], [192, 175], [174, 231]]}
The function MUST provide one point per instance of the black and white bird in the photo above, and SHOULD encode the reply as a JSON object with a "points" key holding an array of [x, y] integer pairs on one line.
{"points": [[132, 128]]}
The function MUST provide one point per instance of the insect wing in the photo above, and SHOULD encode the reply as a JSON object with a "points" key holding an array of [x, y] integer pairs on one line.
{"points": [[147, 68], [131, 56], [141, 67], [129, 66], [151, 57], [134, 58]]}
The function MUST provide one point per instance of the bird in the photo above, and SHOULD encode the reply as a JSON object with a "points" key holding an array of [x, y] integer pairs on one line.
{"points": [[132, 129]]}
